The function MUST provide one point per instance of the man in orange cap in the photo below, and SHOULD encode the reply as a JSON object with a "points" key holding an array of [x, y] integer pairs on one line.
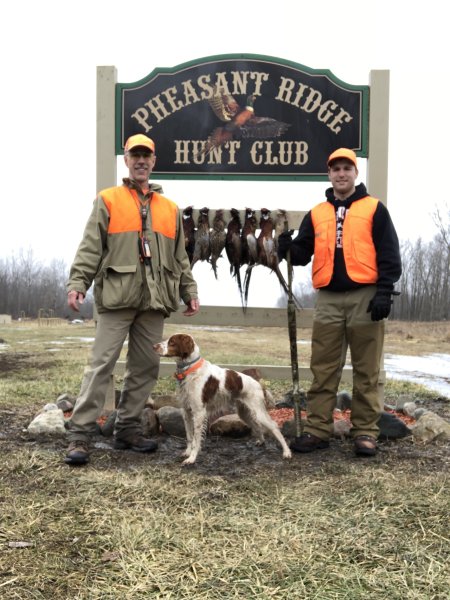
{"points": [[356, 263], [133, 250]]}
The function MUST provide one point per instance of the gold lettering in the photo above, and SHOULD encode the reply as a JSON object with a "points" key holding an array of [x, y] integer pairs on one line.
{"points": [[341, 117], [170, 95], [324, 113], [240, 81], [259, 78], [284, 153], [203, 83], [157, 108], [141, 116], [189, 91], [313, 101], [221, 83], [285, 90], [181, 152]]}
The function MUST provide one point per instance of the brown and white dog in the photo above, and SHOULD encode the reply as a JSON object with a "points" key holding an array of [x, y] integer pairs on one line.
{"points": [[206, 389]]}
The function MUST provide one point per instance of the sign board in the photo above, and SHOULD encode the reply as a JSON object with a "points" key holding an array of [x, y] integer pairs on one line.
{"points": [[243, 116]]}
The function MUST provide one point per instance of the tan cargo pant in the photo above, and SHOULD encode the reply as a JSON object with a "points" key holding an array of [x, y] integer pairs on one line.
{"points": [[142, 366], [341, 320]]}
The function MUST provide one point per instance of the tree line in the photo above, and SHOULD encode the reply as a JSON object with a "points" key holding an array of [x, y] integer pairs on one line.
{"points": [[29, 288]]}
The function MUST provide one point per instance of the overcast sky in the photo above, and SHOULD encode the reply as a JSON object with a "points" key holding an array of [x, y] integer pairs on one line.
{"points": [[50, 51]]}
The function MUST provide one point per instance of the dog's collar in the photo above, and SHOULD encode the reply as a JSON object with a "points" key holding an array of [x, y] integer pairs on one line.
{"points": [[183, 372]]}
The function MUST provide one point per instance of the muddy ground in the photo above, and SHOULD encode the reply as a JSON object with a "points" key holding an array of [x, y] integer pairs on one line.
{"points": [[235, 458]]}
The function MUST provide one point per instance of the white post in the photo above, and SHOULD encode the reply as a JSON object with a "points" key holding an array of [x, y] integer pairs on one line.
{"points": [[377, 164], [106, 152]]}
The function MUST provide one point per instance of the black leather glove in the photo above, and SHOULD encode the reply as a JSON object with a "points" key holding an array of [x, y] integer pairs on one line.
{"points": [[380, 305], [284, 243]]}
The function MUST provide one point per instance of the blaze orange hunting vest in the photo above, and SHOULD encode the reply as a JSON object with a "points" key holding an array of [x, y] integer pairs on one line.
{"points": [[358, 247], [124, 215]]}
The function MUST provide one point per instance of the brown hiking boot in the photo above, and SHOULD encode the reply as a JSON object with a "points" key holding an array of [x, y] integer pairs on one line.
{"points": [[308, 442], [136, 442], [365, 445], [77, 453]]}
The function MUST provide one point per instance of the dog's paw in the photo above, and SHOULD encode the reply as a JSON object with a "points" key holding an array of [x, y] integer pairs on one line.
{"points": [[287, 454], [189, 461]]}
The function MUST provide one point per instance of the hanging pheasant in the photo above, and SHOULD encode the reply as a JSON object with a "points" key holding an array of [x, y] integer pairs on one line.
{"points": [[267, 253], [217, 239], [189, 231], [249, 247], [240, 122], [202, 248], [233, 248]]}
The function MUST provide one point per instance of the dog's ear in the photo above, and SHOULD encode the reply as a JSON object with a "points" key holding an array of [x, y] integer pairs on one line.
{"points": [[186, 345]]}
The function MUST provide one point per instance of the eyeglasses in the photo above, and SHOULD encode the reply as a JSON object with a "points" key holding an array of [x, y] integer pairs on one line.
{"points": [[139, 154]]}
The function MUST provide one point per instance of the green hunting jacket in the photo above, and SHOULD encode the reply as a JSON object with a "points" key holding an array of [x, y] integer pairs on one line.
{"points": [[112, 262]]}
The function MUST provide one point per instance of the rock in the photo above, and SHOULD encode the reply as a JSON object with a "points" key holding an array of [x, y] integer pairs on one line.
{"points": [[288, 429], [288, 400], [391, 427], [341, 429], [149, 422], [431, 427], [343, 400], [401, 401], [156, 402], [229, 425], [419, 412], [171, 421], [65, 402], [49, 422], [409, 408]]}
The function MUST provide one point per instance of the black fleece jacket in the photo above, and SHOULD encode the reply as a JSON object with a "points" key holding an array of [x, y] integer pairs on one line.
{"points": [[384, 238]]}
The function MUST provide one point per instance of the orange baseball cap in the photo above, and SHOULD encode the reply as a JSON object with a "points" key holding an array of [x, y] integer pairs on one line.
{"points": [[343, 153], [139, 141]]}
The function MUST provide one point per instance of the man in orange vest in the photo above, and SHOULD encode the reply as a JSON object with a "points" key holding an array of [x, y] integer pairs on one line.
{"points": [[356, 263], [133, 250]]}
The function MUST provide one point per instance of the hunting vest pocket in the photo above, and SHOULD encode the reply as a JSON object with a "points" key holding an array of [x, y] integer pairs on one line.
{"points": [[122, 287], [170, 288]]}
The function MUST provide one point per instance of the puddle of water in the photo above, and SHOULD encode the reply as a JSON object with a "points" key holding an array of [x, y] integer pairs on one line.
{"points": [[431, 370]]}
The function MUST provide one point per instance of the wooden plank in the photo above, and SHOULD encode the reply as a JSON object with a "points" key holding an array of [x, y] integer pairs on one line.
{"points": [[233, 316], [277, 372]]}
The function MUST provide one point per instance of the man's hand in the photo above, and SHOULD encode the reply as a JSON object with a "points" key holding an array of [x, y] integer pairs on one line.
{"points": [[193, 306], [380, 306], [74, 299], [284, 243]]}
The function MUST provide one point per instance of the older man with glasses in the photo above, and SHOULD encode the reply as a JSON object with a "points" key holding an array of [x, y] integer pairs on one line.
{"points": [[133, 250]]}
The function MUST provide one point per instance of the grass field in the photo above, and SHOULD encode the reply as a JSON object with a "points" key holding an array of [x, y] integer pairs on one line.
{"points": [[322, 527]]}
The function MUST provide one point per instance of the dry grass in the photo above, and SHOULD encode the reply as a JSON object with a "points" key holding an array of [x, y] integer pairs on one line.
{"points": [[123, 530], [102, 533]]}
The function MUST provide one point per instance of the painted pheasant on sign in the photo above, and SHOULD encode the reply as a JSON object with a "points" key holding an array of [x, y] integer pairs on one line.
{"points": [[240, 122]]}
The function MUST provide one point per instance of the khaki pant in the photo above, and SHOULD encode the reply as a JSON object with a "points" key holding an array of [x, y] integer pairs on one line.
{"points": [[142, 366], [341, 320]]}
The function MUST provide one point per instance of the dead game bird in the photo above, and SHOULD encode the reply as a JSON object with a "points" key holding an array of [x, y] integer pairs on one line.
{"points": [[267, 253], [189, 231], [217, 239], [248, 236], [202, 248], [233, 248]]}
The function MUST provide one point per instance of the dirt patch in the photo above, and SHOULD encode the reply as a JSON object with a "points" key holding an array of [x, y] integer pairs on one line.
{"points": [[14, 362], [236, 458]]}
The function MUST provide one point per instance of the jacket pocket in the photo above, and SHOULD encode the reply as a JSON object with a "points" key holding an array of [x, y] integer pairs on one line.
{"points": [[170, 288], [122, 287]]}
